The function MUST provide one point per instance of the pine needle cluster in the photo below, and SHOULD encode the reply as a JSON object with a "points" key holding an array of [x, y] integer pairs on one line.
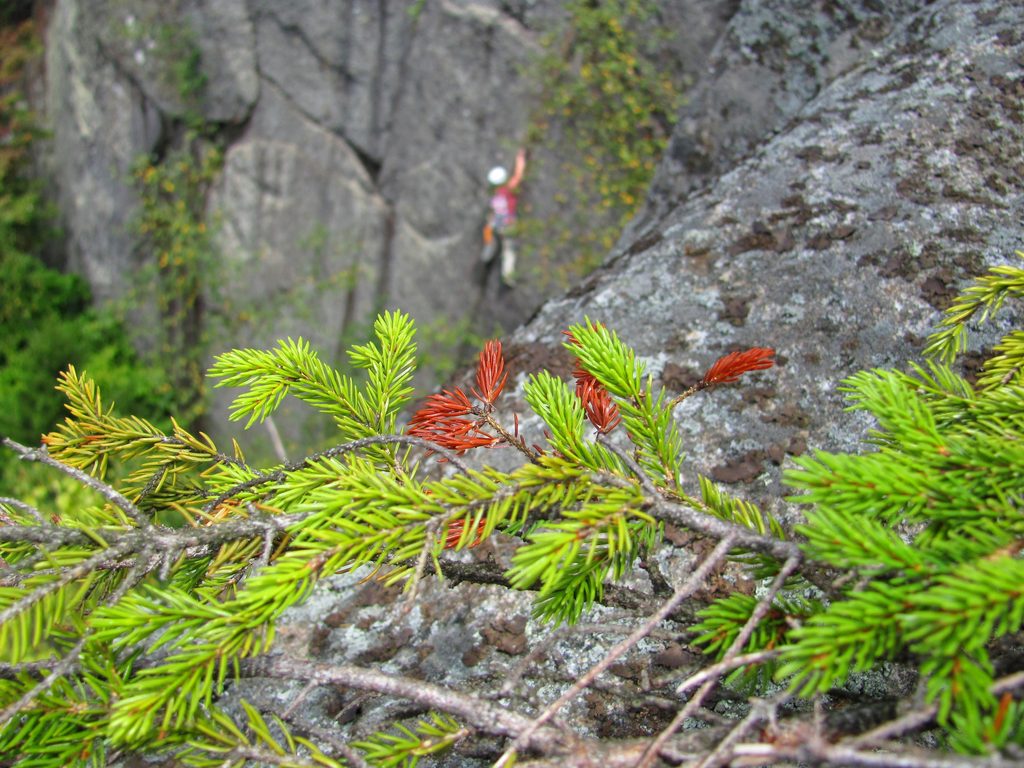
{"points": [[123, 621]]}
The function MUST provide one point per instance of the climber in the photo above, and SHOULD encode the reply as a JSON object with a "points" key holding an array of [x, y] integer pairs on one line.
{"points": [[502, 215]]}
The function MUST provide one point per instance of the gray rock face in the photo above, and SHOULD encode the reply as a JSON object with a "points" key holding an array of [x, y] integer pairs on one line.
{"points": [[357, 139], [101, 121], [772, 59], [836, 241]]}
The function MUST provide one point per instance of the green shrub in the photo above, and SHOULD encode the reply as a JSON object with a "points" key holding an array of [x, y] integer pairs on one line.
{"points": [[180, 263]]}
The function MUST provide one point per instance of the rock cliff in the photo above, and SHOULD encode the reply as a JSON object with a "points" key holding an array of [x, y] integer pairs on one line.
{"points": [[357, 140]]}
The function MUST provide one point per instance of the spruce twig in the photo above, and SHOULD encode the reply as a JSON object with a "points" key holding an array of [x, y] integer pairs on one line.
{"points": [[28, 509], [638, 472], [66, 577], [686, 517], [70, 659], [280, 474]]}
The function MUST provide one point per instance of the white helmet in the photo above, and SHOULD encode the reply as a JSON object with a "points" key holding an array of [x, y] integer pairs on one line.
{"points": [[497, 176]]}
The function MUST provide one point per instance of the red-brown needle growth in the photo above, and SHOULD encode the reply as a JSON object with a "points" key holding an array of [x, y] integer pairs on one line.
{"points": [[728, 368], [490, 373], [597, 403], [451, 420]]}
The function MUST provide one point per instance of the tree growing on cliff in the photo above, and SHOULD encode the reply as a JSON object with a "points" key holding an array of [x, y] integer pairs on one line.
{"points": [[123, 622]]}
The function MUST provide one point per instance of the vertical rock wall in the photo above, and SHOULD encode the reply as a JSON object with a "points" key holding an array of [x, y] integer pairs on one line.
{"points": [[357, 136]]}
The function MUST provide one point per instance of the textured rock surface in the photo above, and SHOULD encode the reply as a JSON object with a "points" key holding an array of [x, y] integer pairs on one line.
{"points": [[773, 58], [837, 240]]}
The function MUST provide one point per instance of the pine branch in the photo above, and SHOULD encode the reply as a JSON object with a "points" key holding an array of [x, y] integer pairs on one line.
{"points": [[605, 363], [583, 508], [294, 368], [1007, 365], [761, 711], [279, 475], [387, 749], [219, 742], [981, 300], [70, 659], [21, 506], [718, 669]]}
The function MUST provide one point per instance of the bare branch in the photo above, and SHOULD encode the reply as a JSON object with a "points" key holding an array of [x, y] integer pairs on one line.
{"points": [[275, 439], [194, 542], [516, 441], [1008, 683], [921, 718], [690, 586], [722, 667], [549, 639], [759, 612], [478, 713], [818, 751], [760, 711], [421, 563], [911, 721], [701, 522], [120, 501]]}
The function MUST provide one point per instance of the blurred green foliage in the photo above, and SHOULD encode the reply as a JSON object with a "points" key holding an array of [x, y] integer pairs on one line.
{"points": [[46, 318], [607, 106]]}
